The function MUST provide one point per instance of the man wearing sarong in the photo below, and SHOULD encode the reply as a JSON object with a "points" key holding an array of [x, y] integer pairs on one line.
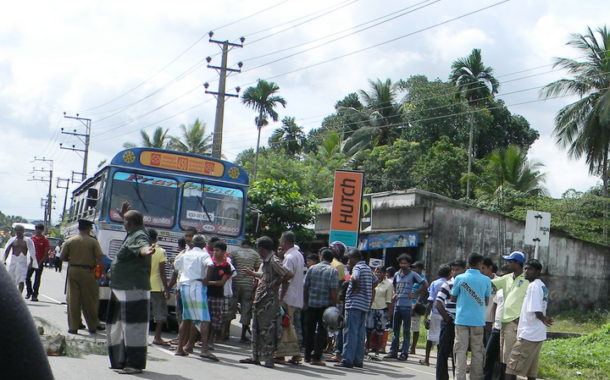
{"points": [[19, 253], [195, 267], [129, 303], [266, 318]]}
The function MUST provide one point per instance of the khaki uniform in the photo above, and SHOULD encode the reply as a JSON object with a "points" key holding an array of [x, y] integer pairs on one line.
{"points": [[82, 253]]}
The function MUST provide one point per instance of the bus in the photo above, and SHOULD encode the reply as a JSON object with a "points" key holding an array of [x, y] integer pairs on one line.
{"points": [[173, 190]]}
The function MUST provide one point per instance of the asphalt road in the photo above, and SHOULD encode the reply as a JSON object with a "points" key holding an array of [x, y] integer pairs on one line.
{"points": [[50, 311]]}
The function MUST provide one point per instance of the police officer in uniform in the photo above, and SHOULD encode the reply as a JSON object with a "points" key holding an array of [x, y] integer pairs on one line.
{"points": [[83, 253]]}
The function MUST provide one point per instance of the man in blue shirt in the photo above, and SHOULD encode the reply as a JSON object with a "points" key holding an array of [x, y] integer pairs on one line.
{"points": [[471, 292], [403, 295], [358, 301]]}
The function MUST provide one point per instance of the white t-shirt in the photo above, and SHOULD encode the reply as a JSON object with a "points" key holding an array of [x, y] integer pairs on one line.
{"points": [[193, 265], [536, 299], [498, 300], [294, 262]]}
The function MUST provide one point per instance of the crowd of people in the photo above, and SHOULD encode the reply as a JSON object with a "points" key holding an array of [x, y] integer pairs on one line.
{"points": [[294, 308]]}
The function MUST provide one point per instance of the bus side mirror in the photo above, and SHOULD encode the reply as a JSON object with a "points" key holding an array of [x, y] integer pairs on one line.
{"points": [[91, 198]]}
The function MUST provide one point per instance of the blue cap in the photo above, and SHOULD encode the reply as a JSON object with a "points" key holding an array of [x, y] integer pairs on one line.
{"points": [[516, 256]]}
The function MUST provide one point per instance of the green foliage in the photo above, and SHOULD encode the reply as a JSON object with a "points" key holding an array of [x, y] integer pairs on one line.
{"points": [[564, 359], [6, 223], [194, 139], [289, 137], [159, 139], [441, 168], [575, 321], [283, 207], [388, 167]]}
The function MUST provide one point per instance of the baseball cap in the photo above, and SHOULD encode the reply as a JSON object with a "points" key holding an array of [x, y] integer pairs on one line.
{"points": [[516, 256]]}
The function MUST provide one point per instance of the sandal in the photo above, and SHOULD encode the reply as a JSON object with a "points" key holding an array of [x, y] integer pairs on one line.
{"points": [[250, 361], [209, 355], [296, 360], [279, 361], [182, 353], [423, 362], [161, 343], [128, 371], [334, 359]]}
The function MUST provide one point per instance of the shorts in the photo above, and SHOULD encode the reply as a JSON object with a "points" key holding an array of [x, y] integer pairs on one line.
{"points": [[434, 332], [415, 322], [524, 358], [158, 307], [216, 305], [377, 321]]}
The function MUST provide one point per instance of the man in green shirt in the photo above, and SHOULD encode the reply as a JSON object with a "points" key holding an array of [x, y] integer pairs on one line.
{"points": [[514, 286], [129, 302]]}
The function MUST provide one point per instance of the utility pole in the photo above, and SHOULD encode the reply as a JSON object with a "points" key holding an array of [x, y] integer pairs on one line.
{"points": [[220, 94], [66, 186], [83, 137], [49, 202]]}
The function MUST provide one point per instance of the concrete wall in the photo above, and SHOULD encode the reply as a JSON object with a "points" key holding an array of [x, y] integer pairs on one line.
{"points": [[576, 272]]}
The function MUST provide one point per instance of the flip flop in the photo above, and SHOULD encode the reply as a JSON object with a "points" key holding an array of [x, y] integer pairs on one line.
{"points": [[209, 355], [183, 353], [162, 343], [249, 361], [128, 371], [423, 362], [295, 361]]}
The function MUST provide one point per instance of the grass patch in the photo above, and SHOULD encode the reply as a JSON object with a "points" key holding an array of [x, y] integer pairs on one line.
{"points": [[578, 322], [588, 356]]}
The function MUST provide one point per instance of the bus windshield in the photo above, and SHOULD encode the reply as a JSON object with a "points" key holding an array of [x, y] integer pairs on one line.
{"points": [[212, 208], [154, 196]]}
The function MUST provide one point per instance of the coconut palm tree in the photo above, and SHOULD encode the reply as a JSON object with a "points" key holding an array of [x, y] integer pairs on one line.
{"points": [[289, 137], [160, 139], [378, 122], [584, 126], [475, 83], [262, 99], [194, 139], [509, 168]]}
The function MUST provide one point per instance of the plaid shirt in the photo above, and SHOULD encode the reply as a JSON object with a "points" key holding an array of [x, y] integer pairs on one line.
{"points": [[320, 279]]}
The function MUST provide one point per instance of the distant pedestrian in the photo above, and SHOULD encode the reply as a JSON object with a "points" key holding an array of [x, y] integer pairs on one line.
{"points": [[432, 317], [377, 319], [41, 245], [403, 283], [358, 301], [159, 290], [493, 367], [130, 297], [472, 290], [417, 305], [243, 286], [532, 326], [339, 249], [446, 309], [19, 254], [83, 253], [266, 318], [57, 263], [320, 292], [514, 287]]}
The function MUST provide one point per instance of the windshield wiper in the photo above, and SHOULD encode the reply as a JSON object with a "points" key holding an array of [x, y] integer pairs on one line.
{"points": [[201, 201], [138, 193]]}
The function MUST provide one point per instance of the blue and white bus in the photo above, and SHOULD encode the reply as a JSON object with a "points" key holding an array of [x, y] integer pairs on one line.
{"points": [[173, 190]]}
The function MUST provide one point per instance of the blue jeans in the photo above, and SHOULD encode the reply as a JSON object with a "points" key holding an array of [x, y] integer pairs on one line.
{"points": [[353, 337], [402, 315]]}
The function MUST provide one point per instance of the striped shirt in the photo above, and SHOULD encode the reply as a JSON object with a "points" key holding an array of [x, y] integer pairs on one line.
{"points": [[360, 300], [444, 296]]}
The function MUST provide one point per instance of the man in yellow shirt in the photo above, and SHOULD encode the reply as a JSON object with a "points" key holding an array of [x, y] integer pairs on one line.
{"points": [[514, 286], [159, 291]]}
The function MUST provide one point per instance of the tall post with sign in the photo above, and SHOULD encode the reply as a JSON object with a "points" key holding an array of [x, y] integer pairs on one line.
{"points": [[345, 214], [537, 229]]}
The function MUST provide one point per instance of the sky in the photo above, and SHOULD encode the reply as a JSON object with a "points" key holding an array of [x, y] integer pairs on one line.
{"points": [[136, 65]]}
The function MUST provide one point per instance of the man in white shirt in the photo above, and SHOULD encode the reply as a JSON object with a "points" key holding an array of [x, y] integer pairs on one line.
{"points": [[195, 272], [291, 299], [533, 322]]}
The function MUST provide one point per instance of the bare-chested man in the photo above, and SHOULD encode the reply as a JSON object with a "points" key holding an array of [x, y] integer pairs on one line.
{"points": [[18, 254]]}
